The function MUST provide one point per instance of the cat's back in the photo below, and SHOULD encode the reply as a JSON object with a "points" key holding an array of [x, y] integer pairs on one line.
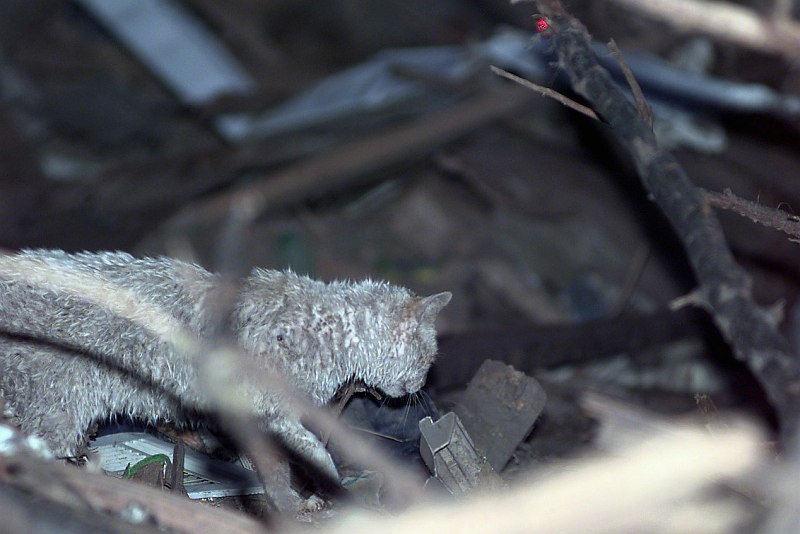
{"points": [[177, 287]]}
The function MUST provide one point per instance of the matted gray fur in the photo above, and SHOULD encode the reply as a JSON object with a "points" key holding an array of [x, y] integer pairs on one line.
{"points": [[128, 312]]}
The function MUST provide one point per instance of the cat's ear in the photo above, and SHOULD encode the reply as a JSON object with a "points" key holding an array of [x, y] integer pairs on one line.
{"points": [[429, 307]]}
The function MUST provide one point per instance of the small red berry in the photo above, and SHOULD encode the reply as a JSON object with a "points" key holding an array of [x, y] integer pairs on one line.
{"points": [[542, 24]]}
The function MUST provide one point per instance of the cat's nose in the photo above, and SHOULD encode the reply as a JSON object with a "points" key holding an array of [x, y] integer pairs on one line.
{"points": [[412, 386], [394, 390]]}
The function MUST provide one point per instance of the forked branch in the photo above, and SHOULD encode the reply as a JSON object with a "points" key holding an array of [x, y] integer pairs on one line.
{"points": [[723, 286]]}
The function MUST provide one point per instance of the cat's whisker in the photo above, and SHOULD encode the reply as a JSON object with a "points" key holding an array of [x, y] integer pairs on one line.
{"points": [[427, 403], [406, 411]]}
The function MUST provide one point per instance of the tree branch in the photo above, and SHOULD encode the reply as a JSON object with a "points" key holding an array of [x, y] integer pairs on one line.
{"points": [[722, 284], [773, 218]]}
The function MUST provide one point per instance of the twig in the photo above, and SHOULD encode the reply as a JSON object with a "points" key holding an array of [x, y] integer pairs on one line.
{"points": [[638, 96], [546, 91], [635, 270], [351, 163], [381, 435], [773, 218], [727, 22], [722, 283], [709, 411], [220, 369], [176, 471], [344, 397], [484, 186]]}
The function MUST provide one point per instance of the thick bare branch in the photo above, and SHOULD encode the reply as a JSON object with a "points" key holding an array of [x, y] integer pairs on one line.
{"points": [[722, 284]]}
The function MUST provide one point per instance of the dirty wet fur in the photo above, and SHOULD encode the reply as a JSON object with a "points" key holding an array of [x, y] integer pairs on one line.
{"points": [[93, 335]]}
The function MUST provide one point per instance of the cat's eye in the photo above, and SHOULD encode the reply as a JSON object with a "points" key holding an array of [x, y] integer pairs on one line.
{"points": [[280, 337]]}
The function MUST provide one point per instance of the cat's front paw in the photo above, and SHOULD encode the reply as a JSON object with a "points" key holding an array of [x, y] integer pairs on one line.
{"points": [[306, 445]]}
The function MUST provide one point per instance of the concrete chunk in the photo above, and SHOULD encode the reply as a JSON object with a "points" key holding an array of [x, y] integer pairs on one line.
{"points": [[498, 410]]}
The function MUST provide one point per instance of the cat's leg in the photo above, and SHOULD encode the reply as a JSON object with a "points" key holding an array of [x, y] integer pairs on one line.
{"points": [[42, 396], [302, 442], [58, 426]]}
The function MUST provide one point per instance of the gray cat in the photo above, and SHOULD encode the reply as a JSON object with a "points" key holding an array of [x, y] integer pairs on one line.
{"points": [[92, 335]]}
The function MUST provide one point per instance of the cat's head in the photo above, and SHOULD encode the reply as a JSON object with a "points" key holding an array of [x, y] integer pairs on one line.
{"points": [[324, 334], [404, 358]]}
